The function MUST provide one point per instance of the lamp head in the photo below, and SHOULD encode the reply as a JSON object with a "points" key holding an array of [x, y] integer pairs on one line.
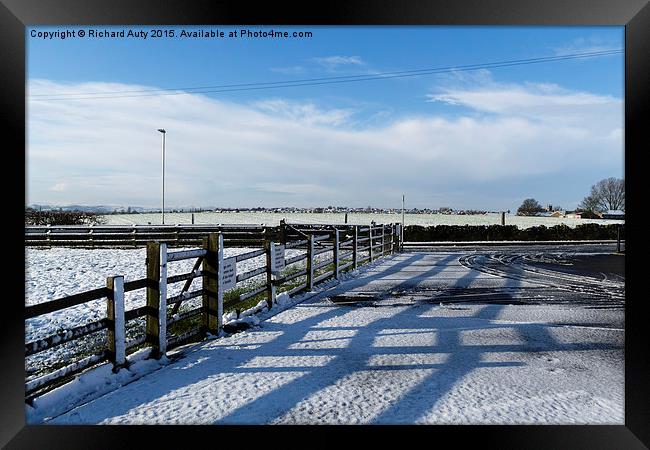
{"points": [[162, 130]]}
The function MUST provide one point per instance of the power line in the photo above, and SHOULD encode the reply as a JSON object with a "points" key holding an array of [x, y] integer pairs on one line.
{"points": [[318, 81], [383, 74]]}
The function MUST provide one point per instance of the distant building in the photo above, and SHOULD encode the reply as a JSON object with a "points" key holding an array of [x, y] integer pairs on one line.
{"points": [[573, 215], [557, 214], [615, 214]]}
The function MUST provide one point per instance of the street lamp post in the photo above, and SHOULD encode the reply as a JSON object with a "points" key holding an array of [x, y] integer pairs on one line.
{"points": [[164, 133]]}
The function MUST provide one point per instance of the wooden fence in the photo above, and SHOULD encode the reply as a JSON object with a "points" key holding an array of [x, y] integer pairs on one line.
{"points": [[103, 236], [345, 247]]}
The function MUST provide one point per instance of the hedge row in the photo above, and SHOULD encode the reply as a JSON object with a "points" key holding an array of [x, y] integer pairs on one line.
{"points": [[589, 231], [53, 217]]}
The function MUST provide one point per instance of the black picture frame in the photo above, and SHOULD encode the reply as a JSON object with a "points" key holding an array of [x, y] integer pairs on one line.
{"points": [[16, 15]]}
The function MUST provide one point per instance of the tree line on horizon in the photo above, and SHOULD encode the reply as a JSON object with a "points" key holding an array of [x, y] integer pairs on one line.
{"points": [[607, 194]]}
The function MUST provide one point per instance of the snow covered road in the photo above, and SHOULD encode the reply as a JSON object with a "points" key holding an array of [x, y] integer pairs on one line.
{"points": [[418, 338]]}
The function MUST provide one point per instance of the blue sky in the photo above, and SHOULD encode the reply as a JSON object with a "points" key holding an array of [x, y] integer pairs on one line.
{"points": [[484, 139]]}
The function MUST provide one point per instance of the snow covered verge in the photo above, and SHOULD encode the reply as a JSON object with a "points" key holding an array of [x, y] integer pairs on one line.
{"points": [[90, 385], [101, 380]]}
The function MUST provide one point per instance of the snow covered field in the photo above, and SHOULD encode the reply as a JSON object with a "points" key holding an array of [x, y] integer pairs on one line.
{"points": [[403, 355], [273, 219]]}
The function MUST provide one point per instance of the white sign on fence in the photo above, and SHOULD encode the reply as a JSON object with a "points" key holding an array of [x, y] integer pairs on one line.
{"points": [[398, 229], [229, 273], [278, 262]]}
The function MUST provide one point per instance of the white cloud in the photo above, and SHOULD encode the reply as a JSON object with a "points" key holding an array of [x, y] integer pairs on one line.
{"points": [[291, 70], [540, 102], [280, 152], [517, 98], [588, 44], [307, 113], [296, 189], [59, 187], [338, 60]]}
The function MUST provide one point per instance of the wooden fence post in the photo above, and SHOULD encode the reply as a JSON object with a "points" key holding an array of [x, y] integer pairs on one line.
{"points": [[269, 246], [336, 254], [388, 239], [115, 315], [396, 238], [283, 232], [212, 283], [220, 248], [310, 263], [370, 241], [618, 238], [383, 243], [355, 258], [157, 298]]}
